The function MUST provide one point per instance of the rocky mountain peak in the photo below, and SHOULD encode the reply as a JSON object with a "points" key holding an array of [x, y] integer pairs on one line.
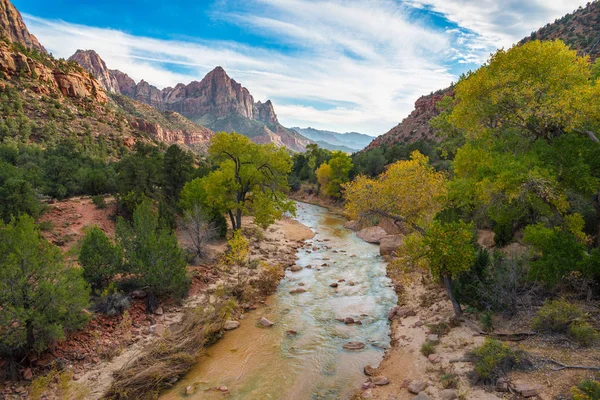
{"points": [[91, 61], [13, 28]]}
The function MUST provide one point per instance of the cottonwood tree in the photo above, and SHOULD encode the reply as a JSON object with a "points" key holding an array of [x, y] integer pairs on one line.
{"points": [[40, 297], [251, 179]]}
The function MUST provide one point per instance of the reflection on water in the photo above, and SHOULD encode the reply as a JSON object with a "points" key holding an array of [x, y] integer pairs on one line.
{"points": [[270, 363]]}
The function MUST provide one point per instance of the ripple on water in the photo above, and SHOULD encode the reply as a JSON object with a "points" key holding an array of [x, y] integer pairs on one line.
{"points": [[257, 363]]}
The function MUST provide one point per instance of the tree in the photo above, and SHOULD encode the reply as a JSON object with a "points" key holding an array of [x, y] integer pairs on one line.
{"points": [[178, 168], [99, 258], [40, 297], [334, 173], [151, 253], [199, 229], [323, 176], [251, 178], [449, 251], [410, 192]]}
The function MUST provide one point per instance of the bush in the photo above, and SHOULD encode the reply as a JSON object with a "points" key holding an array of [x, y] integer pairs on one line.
{"points": [[493, 360], [586, 390], [556, 316], [99, 258], [112, 304], [583, 333], [427, 348], [449, 381], [99, 202]]}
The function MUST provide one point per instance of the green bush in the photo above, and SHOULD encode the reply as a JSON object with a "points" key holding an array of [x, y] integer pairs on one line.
{"points": [[494, 359], [583, 333], [586, 390], [556, 316], [427, 348], [99, 258], [99, 202]]}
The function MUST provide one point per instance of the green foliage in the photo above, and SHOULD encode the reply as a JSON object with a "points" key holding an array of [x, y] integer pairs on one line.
{"points": [[151, 254], [99, 258], [556, 316], [250, 179], [561, 253], [41, 298], [449, 248], [99, 202], [487, 321], [583, 334], [370, 163], [333, 174], [178, 168], [494, 359], [17, 196], [427, 348], [587, 389]]}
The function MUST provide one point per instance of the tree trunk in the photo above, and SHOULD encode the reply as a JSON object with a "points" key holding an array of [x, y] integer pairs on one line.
{"points": [[239, 219], [232, 218], [455, 303]]}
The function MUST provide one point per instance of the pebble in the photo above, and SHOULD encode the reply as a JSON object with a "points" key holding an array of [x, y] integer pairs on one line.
{"points": [[417, 387], [380, 380], [448, 394], [297, 290], [434, 358], [265, 322], [354, 346], [369, 370], [334, 285], [435, 339], [231, 325]]}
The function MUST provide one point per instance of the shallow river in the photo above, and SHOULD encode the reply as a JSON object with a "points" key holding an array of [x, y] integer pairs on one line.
{"points": [[268, 363]]}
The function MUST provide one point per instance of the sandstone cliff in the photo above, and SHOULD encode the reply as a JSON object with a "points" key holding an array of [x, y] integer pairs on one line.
{"points": [[13, 28], [91, 61]]}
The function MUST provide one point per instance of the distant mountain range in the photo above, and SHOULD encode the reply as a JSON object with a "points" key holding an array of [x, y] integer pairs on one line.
{"points": [[348, 142], [580, 30], [216, 102]]}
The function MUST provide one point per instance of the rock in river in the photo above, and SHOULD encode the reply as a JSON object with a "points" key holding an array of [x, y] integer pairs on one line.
{"points": [[297, 290], [354, 346], [231, 325], [265, 322]]}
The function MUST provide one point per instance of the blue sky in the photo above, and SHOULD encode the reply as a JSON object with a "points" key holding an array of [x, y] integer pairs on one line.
{"points": [[342, 65]]}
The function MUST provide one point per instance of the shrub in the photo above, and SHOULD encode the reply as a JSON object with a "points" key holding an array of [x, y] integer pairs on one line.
{"points": [[449, 381], [112, 304], [99, 258], [99, 201], [556, 316], [487, 321], [493, 360], [586, 390], [427, 348], [440, 329], [583, 333]]}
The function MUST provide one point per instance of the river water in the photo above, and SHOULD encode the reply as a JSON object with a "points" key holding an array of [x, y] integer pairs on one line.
{"points": [[269, 363]]}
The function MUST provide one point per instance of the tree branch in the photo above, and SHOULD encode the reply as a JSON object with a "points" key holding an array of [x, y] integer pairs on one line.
{"points": [[396, 218]]}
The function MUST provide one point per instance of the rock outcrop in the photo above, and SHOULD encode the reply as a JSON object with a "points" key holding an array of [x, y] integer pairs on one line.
{"points": [[70, 82], [13, 28], [416, 125], [91, 62]]}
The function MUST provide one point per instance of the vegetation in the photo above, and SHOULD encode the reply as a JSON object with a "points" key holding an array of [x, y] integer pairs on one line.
{"points": [[41, 298], [587, 389], [494, 359]]}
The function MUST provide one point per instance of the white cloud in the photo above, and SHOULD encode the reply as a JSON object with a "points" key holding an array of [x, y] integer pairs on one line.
{"points": [[349, 66]]}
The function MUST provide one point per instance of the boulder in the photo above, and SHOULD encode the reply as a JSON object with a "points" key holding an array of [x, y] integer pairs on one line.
{"points": [[417, 387], [369, 370], [398, 312], [334, 285], [527, 389], [295, 268], [352, 225], [231, 325], [139, 294], [159, 311], [265, 322], [448, 394], [354, 346], [389, 244], [297, 290], [421, 396], [435, 339], [380, 380], [372, 234], [434, 358], [348, 320]]}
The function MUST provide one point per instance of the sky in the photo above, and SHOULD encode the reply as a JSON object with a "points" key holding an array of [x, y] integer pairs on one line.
{"points": [[340, 65]]}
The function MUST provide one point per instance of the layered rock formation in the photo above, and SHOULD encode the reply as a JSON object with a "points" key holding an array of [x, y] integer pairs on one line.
{"points": [[13, 28], [91, 61], [216, 102], [416, 125]]}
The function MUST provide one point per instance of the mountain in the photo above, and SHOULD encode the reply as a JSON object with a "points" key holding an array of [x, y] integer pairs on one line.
{"points": [[216, 102], [50, 99], [580, 30], [416, 125], [14, 30], [349, 142]]}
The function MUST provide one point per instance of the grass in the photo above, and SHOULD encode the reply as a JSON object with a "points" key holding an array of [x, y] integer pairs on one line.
{"points": [[427, 349]]}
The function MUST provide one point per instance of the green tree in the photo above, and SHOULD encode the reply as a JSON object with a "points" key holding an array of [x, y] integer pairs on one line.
{"points": [[99, 258], [178, 168], [250, 179], [151, 253], [193, 201], [40, 297]]}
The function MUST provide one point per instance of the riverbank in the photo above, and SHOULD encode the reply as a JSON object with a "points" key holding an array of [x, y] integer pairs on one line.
{"points": [[308, 194], [83, 366]]}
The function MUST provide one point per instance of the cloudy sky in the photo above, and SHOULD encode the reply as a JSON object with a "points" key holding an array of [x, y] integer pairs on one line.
{"points": [[341, 65]]}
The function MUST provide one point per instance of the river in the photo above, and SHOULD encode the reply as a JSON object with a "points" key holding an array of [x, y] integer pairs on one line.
{"points": [[269, 363]]}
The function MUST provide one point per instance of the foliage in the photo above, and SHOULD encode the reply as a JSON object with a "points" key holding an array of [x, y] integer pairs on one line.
{"points": [[583, 333], [250, 178], [112, 304], [193, 197], [40, 297], [151, 254], [587, 389], [99, 258], [199, 229], [178, 168], [556, 316], [99, 202], [409, 191], [494, 359], [427, 348], [370, 163], [449, 249]]}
